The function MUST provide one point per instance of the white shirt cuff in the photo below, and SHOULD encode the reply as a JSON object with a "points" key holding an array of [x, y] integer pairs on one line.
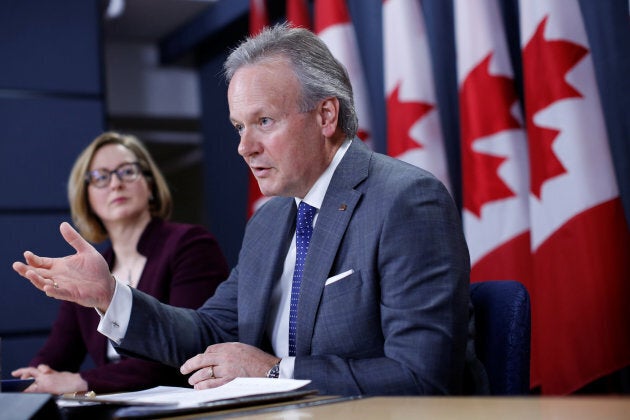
{"points": [[287, 366], [115, 321]]}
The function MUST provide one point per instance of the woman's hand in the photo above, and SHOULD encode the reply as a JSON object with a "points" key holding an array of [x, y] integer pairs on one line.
{"points": [[50, 381]]}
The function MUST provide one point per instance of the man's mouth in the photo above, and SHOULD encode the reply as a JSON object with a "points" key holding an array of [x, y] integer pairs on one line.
{"points": [[260, 171]]}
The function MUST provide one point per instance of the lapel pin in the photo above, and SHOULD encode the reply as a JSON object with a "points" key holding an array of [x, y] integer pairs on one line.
{"points": [[343, 207]]}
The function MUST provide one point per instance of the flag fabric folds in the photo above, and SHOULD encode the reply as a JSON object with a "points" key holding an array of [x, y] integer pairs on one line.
{"points": [[298, 14], [579, 237], [334, 26], [414, 133], [495, 163], [540, 203], [258, 18]]}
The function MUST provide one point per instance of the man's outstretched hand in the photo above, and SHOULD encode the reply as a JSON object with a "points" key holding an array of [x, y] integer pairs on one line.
{"points": [[83, 277]]}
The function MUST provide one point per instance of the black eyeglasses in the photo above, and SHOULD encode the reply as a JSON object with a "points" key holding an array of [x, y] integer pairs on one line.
{"points": [[126, 172]]}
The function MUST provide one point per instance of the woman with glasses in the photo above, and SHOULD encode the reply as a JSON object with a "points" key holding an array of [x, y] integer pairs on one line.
{"points": [[117, 192]]}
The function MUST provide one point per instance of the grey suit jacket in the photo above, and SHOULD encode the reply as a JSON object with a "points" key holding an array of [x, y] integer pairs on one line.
{"points": [[397, 325]]}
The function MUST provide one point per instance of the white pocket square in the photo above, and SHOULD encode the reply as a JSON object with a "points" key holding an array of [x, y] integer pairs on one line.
{"points": [[338, 277]]}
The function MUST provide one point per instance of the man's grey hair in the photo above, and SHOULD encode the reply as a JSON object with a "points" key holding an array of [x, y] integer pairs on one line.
{"points": [[320, 75]]}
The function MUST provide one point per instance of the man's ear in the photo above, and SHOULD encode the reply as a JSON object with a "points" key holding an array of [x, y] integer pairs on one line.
{"points": [[329, 116]]}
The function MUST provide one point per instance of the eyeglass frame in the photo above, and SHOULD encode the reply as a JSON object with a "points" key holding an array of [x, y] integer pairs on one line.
{"points": [[117, 171]]}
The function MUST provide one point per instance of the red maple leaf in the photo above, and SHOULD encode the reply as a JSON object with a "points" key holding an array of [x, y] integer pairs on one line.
{"points": [[545, 64], [401, 116], [363, 134], [329, 13], [485, 103]]}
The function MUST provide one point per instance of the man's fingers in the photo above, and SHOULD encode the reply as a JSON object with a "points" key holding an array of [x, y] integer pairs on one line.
{"points": [[32, 269], [194, 363], [55, 290], [73, 238], [20, 268], [31, 275], [46, 285], [207, 377], [203, 374], [36, 261], [189, 365]]}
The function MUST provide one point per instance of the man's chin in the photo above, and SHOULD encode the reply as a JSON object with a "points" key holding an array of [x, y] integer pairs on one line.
{"points": [[273, 192], [265, 190], [272, 189]]}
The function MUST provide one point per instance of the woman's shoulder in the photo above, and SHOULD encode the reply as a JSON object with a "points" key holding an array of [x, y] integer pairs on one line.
{"points": [[167, 234], [170, 228]]}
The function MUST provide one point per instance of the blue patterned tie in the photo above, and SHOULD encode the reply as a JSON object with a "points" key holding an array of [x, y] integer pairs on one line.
{"points": [[303, 233]]}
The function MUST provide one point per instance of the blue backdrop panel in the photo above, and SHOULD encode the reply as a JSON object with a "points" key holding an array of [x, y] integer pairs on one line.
{"points": [[46, 45], [18, 351], [40, 137], [226, 173], [22, 307], [51, 107]]}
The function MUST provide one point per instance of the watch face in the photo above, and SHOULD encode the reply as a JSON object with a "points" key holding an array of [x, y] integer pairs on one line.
{"points": [[274, 372]]}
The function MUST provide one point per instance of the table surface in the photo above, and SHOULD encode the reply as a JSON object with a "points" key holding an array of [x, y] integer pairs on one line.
{"points": [[556, 408], [392, 408]]}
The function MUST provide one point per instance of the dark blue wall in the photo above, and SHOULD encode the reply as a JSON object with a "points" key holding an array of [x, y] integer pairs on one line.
{"points": [[51, 106]]}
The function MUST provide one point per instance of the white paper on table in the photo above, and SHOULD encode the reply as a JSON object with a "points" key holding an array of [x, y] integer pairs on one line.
{"points": [[187, 397]]}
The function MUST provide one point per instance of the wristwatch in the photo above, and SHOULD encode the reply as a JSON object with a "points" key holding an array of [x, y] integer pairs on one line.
{"points": [[274, 372]]}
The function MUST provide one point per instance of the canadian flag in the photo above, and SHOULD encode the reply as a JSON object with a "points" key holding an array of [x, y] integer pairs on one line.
{"points": [[258, 19], [495, 164], [334, 27], [579, 238], [298, 14], [413, 126]]}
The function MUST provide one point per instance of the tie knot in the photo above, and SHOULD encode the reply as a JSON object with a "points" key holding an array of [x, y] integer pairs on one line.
{"points": [[305, 216]]}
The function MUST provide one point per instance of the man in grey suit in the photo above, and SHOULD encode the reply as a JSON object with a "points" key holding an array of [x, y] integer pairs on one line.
{"points": [[379, 303]]}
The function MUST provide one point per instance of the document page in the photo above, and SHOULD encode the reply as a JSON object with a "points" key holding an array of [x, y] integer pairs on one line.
{"points": [[186, 397]]}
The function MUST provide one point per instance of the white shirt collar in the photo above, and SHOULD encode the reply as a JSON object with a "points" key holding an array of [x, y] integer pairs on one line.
{"points": [[315, 196]]}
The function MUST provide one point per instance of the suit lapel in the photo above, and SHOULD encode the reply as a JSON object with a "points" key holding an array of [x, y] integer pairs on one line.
{"points": [[338, 206], [264, 264]]}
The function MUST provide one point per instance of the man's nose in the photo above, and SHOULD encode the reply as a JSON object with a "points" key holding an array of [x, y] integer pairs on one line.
{"points": [[248, 144]]}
